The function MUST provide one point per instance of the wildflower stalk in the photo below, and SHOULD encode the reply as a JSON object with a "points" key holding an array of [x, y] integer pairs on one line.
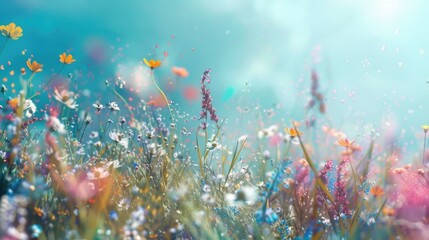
{"points": [[213, 139], [205, 146], [163, 95], [313, 168], [16, 139], [366, 160], [104, 128], [200, 157], [319, 181], [27, 84], [83, 133], [122, 98], [237, 152]]}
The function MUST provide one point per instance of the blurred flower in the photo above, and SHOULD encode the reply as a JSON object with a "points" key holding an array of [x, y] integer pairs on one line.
{"points": [[344, 142], [119, 138], [13, 216], [78, 186], [55, 125], [333, 132], [113, 106], [212, 145], [152, 63], [29, 108], [113, 164], [207, 198], [113, 215], [245, 195], [323, 175], [267, 132], [11, 31], [377, 191], [269, 216], [425, 128], [66, 97], [98, 106], [292, 132], [93, 134], [66, 59], [388, 211], [3, 89], [180, 71], [13, 103], [36, 231], [39, 212], [206, 103], [34, 66], [97, 173], [399, 170]]}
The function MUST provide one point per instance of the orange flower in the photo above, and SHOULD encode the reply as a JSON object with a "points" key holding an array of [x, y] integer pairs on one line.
{"points": [[376, 191], [13, 103], [387, 211], [34, 66], [11, 31], [39, 212], [152, 63], [66, 59], [180, 71], [292, 132], [345, 142]]}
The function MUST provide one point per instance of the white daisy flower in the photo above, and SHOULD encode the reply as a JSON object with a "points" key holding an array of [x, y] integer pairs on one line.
{"points": [[66, 97]]}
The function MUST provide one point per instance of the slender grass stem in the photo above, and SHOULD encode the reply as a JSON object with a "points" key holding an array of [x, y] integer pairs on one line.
{"points": [[163, 95], [28, 84], [123, 99]]}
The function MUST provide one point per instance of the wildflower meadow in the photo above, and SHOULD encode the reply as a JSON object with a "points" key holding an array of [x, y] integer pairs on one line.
{"points": [[93, 159]]}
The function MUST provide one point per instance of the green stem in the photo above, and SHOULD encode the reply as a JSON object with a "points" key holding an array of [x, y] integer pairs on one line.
{"points": [[163, 94], [123, 100], [28, 85]]}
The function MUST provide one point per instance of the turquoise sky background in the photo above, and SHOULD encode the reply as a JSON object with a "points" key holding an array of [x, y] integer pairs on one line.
{"points": [[373, 54]]}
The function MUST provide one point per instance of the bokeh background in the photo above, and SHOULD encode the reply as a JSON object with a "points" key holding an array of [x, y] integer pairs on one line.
{"points": [[371, 55]]}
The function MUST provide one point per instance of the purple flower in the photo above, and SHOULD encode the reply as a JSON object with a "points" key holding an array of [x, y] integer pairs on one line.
{"points": [[321, 196], [206, 103], [341, 201]]}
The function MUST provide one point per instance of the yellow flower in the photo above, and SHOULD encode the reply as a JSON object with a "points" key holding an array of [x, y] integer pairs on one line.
{"points": [[34, 66], [292, 132], [11, 31], [66, 59], [425, 128], [152, 63]]}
